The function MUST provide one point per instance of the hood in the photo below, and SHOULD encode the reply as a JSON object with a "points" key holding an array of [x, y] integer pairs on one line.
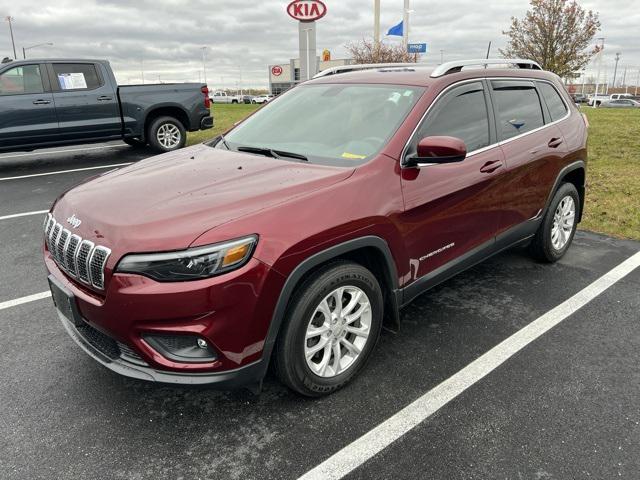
{"points": [[166, 202]]}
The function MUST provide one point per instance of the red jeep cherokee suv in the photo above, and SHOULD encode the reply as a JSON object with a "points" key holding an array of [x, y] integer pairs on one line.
{"points": [[292, 238]]}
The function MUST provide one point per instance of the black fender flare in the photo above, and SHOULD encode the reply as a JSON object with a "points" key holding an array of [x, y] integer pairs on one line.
{"points": [[577, 165], [317, 259]]}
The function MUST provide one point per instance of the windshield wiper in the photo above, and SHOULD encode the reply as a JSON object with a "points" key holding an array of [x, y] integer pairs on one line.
{"points": [[224, 142], [269, 152]]}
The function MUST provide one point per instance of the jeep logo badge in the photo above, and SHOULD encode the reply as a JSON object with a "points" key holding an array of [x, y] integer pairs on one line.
{"points": [[74, 221]]}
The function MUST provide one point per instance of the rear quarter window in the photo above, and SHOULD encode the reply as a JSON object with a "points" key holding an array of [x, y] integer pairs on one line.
{"points": [[557, 107], [517, 106]]}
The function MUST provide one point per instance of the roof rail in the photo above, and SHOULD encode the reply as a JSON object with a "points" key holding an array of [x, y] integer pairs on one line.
{"points": [[363, 66], [456, 66]]}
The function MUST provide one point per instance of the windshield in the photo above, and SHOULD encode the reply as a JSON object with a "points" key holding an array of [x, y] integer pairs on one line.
{"points": [[333, 124]]}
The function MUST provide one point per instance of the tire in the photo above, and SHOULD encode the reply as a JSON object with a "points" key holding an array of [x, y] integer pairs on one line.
{"points": [[550, 244], [234, 101], [305, 311], [163, 126], [134, 142]]}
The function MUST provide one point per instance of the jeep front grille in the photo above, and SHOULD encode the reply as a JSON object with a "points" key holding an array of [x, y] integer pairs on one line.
{"points": [[79, 258]]}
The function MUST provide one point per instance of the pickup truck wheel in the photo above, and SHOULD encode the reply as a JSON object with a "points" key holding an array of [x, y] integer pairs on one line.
{"points": [[234, 101], [558, 227], [167, 134], [331, 328]]}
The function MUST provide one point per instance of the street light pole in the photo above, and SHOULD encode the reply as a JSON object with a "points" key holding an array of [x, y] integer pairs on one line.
{"points": [[600, 54], [204, 67], [405, 25], [376, 22], [615, 69], [24, 49], [10, 19]]}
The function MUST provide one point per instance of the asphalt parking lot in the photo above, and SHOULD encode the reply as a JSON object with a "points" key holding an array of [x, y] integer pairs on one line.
{"points": [[565, 406]]}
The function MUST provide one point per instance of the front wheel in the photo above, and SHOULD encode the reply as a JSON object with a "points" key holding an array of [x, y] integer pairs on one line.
{"points": [[167, 134], [330, 330], [555, 234]]}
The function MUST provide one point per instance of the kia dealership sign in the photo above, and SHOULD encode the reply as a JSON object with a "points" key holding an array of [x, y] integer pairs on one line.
{"points": [[276, 70], [307, 10]]}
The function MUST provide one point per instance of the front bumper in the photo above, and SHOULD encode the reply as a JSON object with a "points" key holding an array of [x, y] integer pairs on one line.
{"points": [[119, 360], [232, 312]]}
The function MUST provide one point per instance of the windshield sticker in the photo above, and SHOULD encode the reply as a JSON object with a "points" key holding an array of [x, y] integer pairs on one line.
{"points": [[353, 156], [72, 81]]}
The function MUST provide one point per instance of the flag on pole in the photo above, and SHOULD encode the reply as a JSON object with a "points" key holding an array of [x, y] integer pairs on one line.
{"points": [[396, 30]]}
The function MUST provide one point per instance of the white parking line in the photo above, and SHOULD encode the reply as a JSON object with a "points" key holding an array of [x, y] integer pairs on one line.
{"points": [[25, 214], [53, 152], [66, 171], [27, 299], [374, 441]]}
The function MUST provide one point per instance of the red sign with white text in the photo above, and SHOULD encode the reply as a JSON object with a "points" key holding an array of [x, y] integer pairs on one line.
{"points": [[276, 70], [307, 10]]}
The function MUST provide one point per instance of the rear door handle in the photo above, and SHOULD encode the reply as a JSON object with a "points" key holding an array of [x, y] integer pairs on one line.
{"points": [[491, 166], [554, 142], [41, 102], [104, 98]]}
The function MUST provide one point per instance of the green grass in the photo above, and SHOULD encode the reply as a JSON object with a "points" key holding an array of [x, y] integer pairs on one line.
{"points": [[224, 116], [613, 171]]}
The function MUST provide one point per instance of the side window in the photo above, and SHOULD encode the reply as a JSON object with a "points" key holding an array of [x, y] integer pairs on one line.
{"points": [[20, 80], [552, 98], [76, 76], [517, 106], [461, 113]]}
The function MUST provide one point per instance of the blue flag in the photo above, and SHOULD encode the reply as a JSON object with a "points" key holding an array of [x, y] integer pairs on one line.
{"points": [[396, 30]]}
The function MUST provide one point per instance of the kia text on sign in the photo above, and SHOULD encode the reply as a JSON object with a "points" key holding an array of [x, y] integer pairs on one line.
{"points": [[307, 10], [276, 70]]}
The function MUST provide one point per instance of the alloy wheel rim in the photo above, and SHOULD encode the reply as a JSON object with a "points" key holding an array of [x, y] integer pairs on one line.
{"points": [[168, 135], [338, 331], [563, 221]]}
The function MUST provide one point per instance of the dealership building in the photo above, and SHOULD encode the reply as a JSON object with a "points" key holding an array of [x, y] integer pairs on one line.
{"points": [[283, 76]]}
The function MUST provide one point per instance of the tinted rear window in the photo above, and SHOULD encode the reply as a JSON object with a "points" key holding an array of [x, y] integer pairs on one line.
{"points": [[517, 107], [554, 102]]}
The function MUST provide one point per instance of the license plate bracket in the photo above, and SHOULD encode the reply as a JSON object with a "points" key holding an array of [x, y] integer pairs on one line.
{"points": [[64, 301]]}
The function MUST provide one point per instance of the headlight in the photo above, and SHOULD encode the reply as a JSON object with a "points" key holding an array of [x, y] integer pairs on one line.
{"points": [[192, 264]]}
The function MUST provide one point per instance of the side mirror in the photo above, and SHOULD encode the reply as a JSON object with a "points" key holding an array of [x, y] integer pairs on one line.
{"points": [[437, 149]]}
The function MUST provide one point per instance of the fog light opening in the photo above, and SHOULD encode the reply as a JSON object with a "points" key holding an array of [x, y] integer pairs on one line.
{"points": [[182, 348]]}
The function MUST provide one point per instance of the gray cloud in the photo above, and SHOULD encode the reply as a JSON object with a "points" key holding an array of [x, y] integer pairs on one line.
{"points": [[164, 37]]}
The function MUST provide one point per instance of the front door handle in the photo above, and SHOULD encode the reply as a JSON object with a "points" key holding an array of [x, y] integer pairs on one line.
{"points": [[491, 166], [555, 142], [104, 98], [41, 102]]}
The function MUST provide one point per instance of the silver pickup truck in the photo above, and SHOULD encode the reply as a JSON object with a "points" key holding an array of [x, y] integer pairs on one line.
{"points": [[69, 101]]}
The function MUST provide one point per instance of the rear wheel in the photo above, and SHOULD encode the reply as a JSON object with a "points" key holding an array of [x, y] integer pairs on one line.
{"points": [[331, 328], [167, 134], [555, 234]]}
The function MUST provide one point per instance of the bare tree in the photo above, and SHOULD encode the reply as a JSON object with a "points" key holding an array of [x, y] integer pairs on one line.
{"points": [[367, 51], [556, 34]]}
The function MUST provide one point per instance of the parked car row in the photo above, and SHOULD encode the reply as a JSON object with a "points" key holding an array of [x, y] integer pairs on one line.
{"points": [[224, 97], [615, 100]]}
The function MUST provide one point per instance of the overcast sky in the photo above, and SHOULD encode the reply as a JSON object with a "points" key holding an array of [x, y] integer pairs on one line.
{"points": [[164, 37]]}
